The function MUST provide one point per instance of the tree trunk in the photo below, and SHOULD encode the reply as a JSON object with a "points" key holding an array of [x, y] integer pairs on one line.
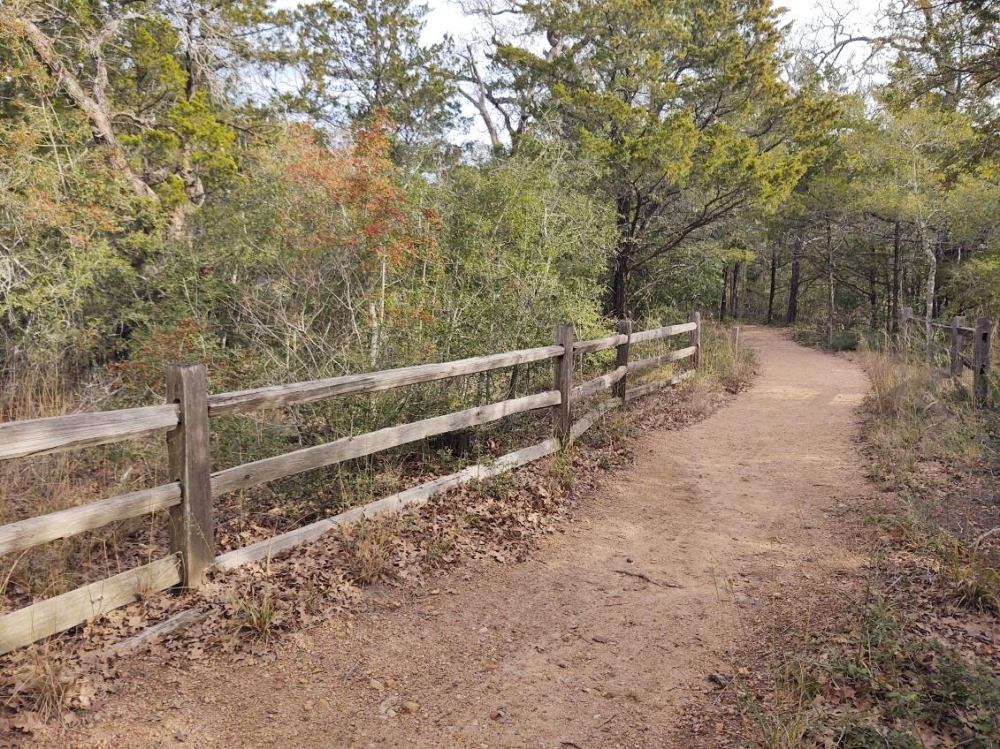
{"points": [[939, 299], [734, 296], [770, 293], [793, 285], [895, 279], [929, 298], [621, 271], [725, 285], [872, 299], [98, 116], [621, 276], [479, 100], [831, 300]]}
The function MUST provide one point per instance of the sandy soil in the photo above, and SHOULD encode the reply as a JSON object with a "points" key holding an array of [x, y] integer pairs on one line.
{"points": [[603, 639]]}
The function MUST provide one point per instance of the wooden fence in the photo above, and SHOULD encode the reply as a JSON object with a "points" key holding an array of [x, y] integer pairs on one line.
{"points": [[958, 360], [188, 498]]}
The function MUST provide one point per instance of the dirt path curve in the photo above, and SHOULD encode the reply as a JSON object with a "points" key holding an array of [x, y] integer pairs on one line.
{"points": [[601, 639]]}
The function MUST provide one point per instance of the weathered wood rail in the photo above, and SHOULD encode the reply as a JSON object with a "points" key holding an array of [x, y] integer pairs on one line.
{"points": [[979, 362], [188, 498]]}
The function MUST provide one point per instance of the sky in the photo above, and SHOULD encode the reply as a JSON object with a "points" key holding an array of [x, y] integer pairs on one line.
{"points": [[446, 16]]}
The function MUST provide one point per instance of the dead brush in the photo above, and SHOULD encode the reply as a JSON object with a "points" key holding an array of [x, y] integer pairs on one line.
{"points": [[908, 424], [726, 359], [41, 681], [974, 584], [255, 614], [368, 548]]}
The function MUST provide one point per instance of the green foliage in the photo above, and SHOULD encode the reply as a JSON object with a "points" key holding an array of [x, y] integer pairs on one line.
{"points": [[846, 340], [976, 284], [683, 105], [310, 262], [64, 215], [523, 250], [911, 681], [880, 684], [359, 57], [319, 262]]}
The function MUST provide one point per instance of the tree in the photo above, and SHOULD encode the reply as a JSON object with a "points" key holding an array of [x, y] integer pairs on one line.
{"points": [[69, 223], [682, 102], [310, 262], [359, 57], [524, 245], [149, 78]]}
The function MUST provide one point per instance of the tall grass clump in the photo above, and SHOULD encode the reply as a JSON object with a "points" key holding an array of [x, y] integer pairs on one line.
{"points": [[932, 441], [727, 359], [909, 422]]}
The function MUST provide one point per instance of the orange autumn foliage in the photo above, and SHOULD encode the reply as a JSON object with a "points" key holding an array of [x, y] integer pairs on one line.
{"points": [[351, 198]]}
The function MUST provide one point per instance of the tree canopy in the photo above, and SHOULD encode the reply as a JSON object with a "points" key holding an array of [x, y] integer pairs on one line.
{"points": [[282, 182]]}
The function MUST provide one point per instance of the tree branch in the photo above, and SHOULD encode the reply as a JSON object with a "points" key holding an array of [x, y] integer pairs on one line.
{"points": [[98, 115]]}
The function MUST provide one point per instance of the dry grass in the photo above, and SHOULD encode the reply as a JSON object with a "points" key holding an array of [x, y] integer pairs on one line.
{"points": [[42, 682], [929, 442], [35, 486], [255, 614], [726, 359], [560, 472], [368, 547], [908, 424]]}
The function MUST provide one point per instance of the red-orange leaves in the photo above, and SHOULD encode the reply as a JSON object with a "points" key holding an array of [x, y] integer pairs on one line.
{"points": [[350, 197], [350, 254]]}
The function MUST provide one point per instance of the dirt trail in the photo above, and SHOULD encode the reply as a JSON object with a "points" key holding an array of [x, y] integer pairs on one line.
{"points": [[574, 648]]}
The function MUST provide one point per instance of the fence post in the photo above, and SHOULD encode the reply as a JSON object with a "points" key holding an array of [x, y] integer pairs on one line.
{"points": [[981, 361], [696, 339], [621, 356], [955, 353], [907, 316], [191, 528], [564, 382]]}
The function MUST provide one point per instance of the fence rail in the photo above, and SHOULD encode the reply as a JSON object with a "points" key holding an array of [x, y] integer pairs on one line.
{"points": [[979, 362], [188, 498], [279, 396], [21, 439]]}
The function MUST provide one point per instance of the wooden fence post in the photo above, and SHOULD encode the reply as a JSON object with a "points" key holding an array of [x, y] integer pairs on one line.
{"points": [[955, 353], [621, 356], [981, 361], [696, 339], [564, 382], [191, 525]]}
